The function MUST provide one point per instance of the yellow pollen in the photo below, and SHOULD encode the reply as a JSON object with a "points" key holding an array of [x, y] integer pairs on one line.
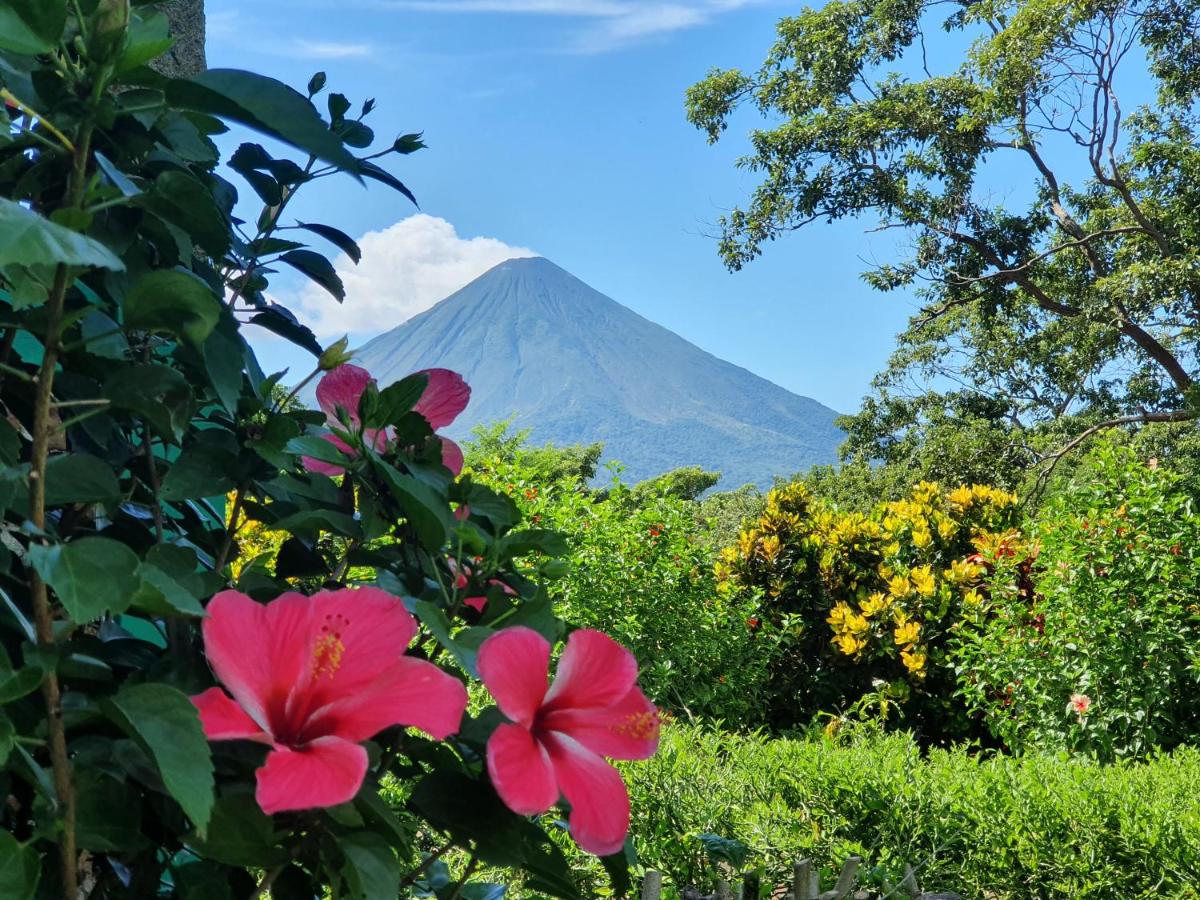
{"points": [[640, 726], [328, 649]]}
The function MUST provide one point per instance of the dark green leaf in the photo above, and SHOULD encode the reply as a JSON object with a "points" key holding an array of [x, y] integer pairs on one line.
{"points": [[266, 105], [316, 84], [397, 400], [167, 723], [240, 834], [116, 177], [318, 268], [371, 870], [20, 866], [316, 447], [375, 173], [281, 322], [338, 238], [184, 201], [434, 618], [202, 470], [356, 134], [29, 239], [103, 336], [91, 576], [311, 522], [79, 478], [148, 39], [427, 512], [172, 302], [108, 813], [158, 393], [32, 26], [470, 810], [161, 595], [534, 540], [224, 357]]}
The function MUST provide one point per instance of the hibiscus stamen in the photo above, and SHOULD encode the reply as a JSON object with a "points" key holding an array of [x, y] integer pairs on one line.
{"points": [[329, 648], [641, 726]]}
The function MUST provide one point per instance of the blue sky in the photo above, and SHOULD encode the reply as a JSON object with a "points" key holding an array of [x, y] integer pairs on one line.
{"points": [[557, 127]]}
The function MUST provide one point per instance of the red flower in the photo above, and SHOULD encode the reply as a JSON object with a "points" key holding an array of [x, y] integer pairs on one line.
{"points": [[560, 735], [462, 580], [444, 398], [753, 623], [312, 677]]}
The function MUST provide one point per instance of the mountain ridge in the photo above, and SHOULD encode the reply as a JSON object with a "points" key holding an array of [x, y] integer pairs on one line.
{"points": [[542, 347]]}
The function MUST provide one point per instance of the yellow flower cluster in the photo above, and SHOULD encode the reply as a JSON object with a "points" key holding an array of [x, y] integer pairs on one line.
{"points": [[895, 581]]}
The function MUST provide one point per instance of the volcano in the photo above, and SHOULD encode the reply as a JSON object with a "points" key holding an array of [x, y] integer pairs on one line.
{"points": [[539, 346]]}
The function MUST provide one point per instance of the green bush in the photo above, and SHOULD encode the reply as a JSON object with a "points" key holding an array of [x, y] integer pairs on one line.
{"points": [[641, 568], [1038, 826], [1105, 656]]}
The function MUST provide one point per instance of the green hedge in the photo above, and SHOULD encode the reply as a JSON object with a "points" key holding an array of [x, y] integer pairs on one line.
{"points": [[1002, 827]]}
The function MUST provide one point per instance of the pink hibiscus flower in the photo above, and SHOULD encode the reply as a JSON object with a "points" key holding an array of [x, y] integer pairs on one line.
{"points": [[462, 580], [342, 388], [559, 735], [444, 398], [313, 677], [1080, 703]]}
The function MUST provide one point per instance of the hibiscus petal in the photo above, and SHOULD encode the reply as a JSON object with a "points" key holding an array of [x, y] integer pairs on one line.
{"points": [[626, 730], [445, 397], [325, 468], [410, 692], [520, 770], [599, 802], [325, 772], [476, 603], [514, 665], [357, 634], [343, 387], [223, 720], [594, 671], [258, 651], [452, 456]]}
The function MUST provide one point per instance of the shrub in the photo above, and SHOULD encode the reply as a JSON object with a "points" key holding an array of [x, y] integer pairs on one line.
{"points": [[640, 567], [1039, 826], [867, 602], [1105, 657]]}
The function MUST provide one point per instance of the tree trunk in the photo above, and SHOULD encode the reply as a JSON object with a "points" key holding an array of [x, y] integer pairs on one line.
{"points": [[186, 58]]}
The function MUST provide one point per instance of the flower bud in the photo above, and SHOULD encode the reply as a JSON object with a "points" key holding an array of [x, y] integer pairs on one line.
{"points": [[109, 24], [335, 355]]}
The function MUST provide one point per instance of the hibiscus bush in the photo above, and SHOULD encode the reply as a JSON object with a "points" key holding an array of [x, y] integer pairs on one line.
{"points": [[173, 725], [1103, 657]]}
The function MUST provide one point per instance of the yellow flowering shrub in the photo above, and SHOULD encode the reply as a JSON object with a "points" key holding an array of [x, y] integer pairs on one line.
{"points": [[869, 602]]}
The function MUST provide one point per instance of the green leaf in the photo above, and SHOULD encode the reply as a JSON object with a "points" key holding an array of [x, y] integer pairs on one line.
{"points": [[172, 302], [158, 393], [337, 237], [375, 173], [534, 540], [317, 268], [108, 813], [79, 478], [21, 683], [116, 177], [310, 522], [397, 400], [427, 512], [28, 239], [316, 447], [8, 739], [434, 618], [202, 470], [224, 358], [184, 201], [371, 870], [167, 723], [20, 866], [32, 27], [149, 38], [240, 834], [91, 576], [470, 810], [160, 594], [266, 105], [103, 336]]}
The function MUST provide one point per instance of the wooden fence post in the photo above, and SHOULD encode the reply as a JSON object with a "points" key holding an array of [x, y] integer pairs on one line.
{"points": [[652, 886], [806, 883]]}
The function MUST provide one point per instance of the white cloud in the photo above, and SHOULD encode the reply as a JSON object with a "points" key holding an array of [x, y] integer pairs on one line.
{"points": [[405, 269], [305, 49], [611, 24]]}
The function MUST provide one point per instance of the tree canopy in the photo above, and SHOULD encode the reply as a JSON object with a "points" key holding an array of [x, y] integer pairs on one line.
{"points": [[1048, 182]]}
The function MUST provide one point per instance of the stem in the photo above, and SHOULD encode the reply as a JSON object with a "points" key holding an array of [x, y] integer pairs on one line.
{"points": [[428, 861], [230, 529], [11, 99], [43, 613], [470, 870], [152, 469]]}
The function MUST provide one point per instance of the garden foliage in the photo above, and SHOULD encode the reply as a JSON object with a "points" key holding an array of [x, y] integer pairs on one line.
{"points": [[176, 726]]}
